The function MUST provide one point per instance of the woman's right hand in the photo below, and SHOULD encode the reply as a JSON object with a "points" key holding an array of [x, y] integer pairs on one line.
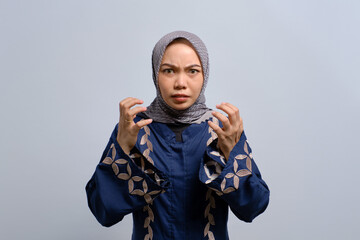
{"points": [[128, 129]]}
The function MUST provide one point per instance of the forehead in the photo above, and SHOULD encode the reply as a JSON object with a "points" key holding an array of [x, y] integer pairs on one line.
{"points": [[181, 41], [180, 48]]}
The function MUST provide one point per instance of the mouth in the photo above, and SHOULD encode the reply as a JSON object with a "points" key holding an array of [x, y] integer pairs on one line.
{"points": [[180, 98]]}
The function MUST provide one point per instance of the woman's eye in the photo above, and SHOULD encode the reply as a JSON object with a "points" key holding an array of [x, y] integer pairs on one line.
{"points": [[168, 70], [193, 71]]}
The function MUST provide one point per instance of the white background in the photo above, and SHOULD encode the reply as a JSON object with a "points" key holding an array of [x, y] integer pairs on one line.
{"points": [[292, 68]]}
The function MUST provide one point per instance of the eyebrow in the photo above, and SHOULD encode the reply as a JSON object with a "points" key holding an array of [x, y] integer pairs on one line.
{"points": [[171, 65], [193, 65], [167, 64]]}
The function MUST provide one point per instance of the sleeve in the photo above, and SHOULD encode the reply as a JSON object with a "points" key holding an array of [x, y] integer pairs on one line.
{"points": [[238, 181], [122, 183]]}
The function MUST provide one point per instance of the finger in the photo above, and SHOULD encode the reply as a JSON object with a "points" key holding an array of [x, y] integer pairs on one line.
{"points": [[225, 121], [122, 105], [236, 111], [230, 106], [132, 102], [217, 129], [224, 108], [230, 112], [144, 122], [241, 125], [127, 103], [131, 113]]}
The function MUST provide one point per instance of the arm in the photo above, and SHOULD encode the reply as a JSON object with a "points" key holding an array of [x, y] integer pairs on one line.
{"points": [[120, 186], [238, 180], [229, 169], [124, 180]]}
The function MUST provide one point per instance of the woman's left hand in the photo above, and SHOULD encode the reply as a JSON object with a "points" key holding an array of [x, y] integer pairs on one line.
{"points": [[232, 128]]}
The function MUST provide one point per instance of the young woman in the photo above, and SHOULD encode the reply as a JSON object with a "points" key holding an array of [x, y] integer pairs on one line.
{"points": [[177, 166]]}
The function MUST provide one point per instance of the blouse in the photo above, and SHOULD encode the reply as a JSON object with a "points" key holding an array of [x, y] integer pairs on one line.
{"points": [[176, 190]]}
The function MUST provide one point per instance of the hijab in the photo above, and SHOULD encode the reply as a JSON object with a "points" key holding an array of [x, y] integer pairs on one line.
{"points": [[159, 110]]}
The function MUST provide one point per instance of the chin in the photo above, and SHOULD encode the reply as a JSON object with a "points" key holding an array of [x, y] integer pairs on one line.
{"points": [[177, 107]]}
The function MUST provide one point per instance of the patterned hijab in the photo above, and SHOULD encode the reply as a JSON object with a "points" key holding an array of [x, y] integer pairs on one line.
{"points": [[159, 110]]}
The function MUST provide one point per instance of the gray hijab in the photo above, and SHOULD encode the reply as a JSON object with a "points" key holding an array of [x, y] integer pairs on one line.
{"points": [[159, 110]]}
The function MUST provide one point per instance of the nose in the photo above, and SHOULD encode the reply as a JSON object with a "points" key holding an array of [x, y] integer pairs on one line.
{"points": [[181, 81]]}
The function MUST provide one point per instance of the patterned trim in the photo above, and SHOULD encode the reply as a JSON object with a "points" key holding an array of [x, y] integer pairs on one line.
{"points": [[151, 173], [145, 140], [218, 154], [133, 180], [212, 174], [146, 153], [137, 181], [209, 216], [213, 135], [213, 170], [148, 220]]}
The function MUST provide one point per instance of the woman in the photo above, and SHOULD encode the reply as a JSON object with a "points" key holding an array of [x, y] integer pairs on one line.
{"points": [[177, 166]]}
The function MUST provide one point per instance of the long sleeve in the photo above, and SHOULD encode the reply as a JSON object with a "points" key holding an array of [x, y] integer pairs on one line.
{"points": [[238, 181], [122, 183]]}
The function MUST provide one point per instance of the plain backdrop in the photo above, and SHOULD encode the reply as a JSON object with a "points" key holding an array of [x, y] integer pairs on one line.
{"points": [[291, 67]]}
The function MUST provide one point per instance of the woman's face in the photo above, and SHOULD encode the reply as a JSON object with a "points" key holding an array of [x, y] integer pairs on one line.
{"points": [[180, 76]]}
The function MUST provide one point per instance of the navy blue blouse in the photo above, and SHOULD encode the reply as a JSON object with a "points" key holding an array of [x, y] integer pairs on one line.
{"points": [[176, 190]]}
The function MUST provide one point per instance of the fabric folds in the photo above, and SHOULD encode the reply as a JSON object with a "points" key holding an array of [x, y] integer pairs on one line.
{"points": [[176, 190]]}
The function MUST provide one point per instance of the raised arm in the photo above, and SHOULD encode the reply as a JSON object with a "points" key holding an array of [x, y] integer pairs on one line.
{"points": [[228, 167], [124, 181]]}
